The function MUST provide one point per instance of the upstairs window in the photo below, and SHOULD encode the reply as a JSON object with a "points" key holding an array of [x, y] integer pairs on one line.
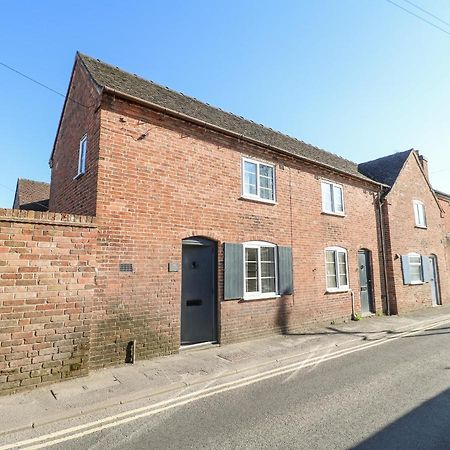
{"points": [[332, 198], [336, 269], [419, 214], [258, 180], [82, 156], [260, 271]]}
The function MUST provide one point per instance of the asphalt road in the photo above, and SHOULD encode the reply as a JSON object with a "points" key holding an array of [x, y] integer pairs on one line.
{"points": [[393, 396]]}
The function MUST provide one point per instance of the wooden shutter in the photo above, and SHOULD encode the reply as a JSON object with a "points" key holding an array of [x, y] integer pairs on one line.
{"points": [[234, 271], [285, 279], [405, 270], [426, 272]]}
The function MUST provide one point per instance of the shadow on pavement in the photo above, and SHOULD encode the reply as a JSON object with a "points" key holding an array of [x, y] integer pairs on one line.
{"points": [[425, 427]]}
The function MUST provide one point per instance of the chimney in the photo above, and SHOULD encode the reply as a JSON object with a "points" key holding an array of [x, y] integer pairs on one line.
{"points": [[424, 163]]}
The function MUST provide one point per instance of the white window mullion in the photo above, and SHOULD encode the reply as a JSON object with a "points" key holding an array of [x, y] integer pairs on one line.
{"points": [[258, 191], [259, 271], [336, 265]]}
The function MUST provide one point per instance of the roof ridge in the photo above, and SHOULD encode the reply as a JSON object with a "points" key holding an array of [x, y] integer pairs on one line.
{"points": [[216, 107], [391, 155], [33, 181]]}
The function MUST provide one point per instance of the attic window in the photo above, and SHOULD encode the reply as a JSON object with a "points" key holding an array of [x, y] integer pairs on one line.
{"points": [[82, 156], [419, 214]]}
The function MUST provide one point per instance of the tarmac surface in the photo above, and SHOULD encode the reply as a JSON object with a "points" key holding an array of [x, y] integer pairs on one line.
{"points": [[369, 360]]}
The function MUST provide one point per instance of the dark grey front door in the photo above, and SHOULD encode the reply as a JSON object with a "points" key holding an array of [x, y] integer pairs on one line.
{"points": [[198, 296], [434, 281], [365, 281]]}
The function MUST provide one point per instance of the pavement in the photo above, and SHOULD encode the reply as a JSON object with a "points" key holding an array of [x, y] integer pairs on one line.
{"points": [[199, 366]]}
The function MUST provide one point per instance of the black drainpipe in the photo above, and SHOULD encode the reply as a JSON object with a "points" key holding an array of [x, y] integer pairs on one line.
{"points": [[383, 252]]}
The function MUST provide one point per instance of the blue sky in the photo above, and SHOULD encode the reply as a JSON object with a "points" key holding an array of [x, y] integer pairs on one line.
{"points": [[360, 78]]}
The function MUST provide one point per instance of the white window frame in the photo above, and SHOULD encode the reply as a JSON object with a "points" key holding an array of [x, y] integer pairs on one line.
{"points": [[257, 196], [259, 294], [339, 288], [418, 204], [416, 255], [333, 205], [82, 154]]}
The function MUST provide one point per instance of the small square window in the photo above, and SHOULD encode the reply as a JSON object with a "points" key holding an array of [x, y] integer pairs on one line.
{"points": [[419, 214], [332, 198], [258, 181]]}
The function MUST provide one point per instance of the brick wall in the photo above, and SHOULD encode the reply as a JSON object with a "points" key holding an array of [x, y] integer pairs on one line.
{"points": [[80, 116], [47, 270], [445, 205], [404, 237], [181, 181]]}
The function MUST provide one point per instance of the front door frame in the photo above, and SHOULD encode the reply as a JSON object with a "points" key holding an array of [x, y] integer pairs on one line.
{"points": [[436, 286], [203, 241], [369, 274]]}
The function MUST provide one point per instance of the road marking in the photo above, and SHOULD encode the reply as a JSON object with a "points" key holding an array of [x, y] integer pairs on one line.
{"points": [[145, 411]]}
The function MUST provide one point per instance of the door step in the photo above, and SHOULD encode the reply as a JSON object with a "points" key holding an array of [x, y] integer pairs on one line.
{"points": [[199, 346]]}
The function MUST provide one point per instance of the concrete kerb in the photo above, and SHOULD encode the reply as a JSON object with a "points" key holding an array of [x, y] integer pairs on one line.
{"points": [[176, 386]]}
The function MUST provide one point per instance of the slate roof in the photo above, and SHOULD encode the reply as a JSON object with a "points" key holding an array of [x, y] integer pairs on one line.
{"points": [[32, 195], [113, 78], [386, 169]]}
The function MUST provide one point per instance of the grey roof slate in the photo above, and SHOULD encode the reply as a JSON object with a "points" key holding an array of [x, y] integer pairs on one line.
{"points": [[116, 79], [386, 169]]}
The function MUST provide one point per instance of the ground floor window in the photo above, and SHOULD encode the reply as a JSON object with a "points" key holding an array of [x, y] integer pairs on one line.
{"points": [[415, 268], [336, 269], [260, 270]]}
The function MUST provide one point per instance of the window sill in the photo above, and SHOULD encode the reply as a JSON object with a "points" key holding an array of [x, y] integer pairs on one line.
{"points": [[78, 175], [337, 290], [261, 297], [417, 282], [329, 213], [422, 227], [257, 199]]}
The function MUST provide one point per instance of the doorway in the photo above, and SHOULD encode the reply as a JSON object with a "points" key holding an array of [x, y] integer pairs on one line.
{"points": [[198, 291], [365, 281], [434, 281]]}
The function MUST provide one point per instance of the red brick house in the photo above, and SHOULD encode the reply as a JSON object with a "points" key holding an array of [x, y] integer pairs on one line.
{"points": [[415, 235], [31, 195], [212, 228]]}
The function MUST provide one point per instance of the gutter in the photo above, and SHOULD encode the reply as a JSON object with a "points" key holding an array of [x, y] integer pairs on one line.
{"points": [[219, 129]]}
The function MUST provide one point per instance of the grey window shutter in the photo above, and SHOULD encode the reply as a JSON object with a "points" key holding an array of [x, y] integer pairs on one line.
{"points": [[405, 270], [234, 271], [426, 269], [285, 279]]}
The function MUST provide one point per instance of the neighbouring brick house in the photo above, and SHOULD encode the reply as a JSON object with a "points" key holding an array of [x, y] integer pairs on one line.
{"points": [[415, 234], [444, 201], [31, 195], [210, 227]]}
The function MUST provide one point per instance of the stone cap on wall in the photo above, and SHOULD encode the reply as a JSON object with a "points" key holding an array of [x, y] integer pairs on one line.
{"points": [[52, 218]]}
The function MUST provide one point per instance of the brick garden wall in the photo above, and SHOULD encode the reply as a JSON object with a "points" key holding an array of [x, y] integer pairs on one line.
{"points": [[47, 270]]}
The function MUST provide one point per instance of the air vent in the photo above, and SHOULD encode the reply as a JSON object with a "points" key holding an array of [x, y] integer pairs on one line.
{"points": [[125, 267]]}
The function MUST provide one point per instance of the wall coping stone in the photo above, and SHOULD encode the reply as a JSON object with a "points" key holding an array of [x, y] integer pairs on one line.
{"points": [[48, 218]]}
